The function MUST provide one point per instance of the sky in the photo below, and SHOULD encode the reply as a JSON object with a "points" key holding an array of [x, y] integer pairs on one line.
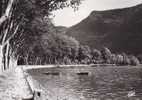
{"points": [[67, 17]]}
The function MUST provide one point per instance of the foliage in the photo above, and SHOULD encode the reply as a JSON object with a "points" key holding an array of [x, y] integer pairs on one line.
{"points": [[47, 45], [84, 54], [126, 60], [18, 26], [96, 56], [134, 60], [106, 54], [119, 59]]}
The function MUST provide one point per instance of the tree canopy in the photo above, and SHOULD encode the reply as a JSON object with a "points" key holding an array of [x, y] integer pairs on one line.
{"points": [[19, 23]]}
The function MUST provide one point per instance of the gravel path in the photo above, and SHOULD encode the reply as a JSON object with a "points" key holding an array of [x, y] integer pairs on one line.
{"points": [[13, 86]]}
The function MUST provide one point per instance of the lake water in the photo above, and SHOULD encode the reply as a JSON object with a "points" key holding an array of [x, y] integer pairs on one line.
{"points": [[101, 83]]}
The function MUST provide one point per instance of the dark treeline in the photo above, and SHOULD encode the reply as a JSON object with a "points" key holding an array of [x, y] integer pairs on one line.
{"points": [[49, 46], [81, 56]]}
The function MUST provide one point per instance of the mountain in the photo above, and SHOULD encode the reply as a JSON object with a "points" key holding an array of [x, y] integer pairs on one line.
{"points": [[119, 29]]}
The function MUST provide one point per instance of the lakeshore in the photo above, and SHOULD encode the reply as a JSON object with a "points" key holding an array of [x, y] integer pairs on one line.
{"points": [[44, 81], [100, 84]]}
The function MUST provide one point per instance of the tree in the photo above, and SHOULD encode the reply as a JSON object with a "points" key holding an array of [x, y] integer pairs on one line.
{"points": [[96, 56], [59, 46], [16, 18], [119, 59], [126, 60], [5, 10], [8, 28], [106, 54], [134, 60], [84, 54], [113, 59]]}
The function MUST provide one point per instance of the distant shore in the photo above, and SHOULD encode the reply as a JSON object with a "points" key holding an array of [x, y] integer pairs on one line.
{"points": [[29, 67]]}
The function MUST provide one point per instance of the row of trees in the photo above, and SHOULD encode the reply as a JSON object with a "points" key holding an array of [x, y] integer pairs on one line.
{"points": [[119, 59], [17, 22], [51, 47], [44, 44]]}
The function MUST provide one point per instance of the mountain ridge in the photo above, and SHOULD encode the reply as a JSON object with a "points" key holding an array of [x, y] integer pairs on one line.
{"points": [[118, 29]]}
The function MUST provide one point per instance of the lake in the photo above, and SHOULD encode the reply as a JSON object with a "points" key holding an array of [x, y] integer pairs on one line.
{"points": [[91, 83]]}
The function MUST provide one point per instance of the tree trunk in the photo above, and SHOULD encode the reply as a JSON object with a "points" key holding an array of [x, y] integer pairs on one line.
{"points": [[12, 63], [4, 16], [7, 56], [1, 59], [6, 61], [6, 13]]}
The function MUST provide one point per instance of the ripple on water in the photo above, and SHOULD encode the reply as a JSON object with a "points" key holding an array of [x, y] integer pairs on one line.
{"points": [[103, 84]]}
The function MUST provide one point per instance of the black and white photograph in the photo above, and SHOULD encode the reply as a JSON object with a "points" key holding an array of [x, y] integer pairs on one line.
{"points": [[70, 49]]}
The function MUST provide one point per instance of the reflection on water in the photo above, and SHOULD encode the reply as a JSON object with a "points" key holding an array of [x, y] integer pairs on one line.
{"points": [[101, 84]]}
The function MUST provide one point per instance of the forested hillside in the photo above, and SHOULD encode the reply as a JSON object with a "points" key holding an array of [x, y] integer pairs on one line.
{"points": [[120, 30], [85, 43]]}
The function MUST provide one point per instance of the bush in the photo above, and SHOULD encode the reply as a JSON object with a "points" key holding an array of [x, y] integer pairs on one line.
{"points": [[96, 56], [119, 59], [113, 59], [134, 60], [106, 55], [126, 60]]}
